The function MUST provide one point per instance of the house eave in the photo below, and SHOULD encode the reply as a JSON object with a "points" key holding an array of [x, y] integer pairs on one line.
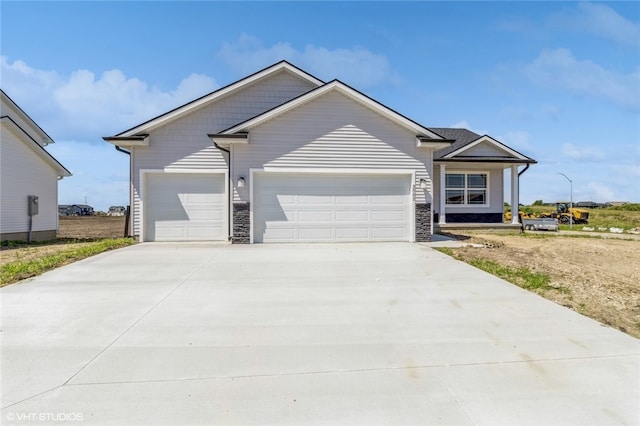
{"points": [[128, 141], [485, 160], [433, 143], [228, 140]]}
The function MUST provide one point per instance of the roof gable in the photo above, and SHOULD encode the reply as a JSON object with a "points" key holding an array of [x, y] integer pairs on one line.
{"points": [[8, 108], [8, 123], [470, 146], [282, 66], [334, 86]]}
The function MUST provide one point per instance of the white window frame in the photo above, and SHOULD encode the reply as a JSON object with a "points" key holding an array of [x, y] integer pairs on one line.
{"points": [[465, 190]]}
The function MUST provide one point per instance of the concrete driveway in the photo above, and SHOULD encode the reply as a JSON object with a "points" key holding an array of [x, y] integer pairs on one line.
{"points": [[302, 334]]}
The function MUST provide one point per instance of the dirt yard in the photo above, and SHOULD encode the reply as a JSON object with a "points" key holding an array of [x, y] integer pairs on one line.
{"points": [[91, 227], [602, 275], [74, 231]]}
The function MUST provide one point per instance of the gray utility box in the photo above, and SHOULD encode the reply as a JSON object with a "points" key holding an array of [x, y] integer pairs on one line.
{"points": [[33, 205]]}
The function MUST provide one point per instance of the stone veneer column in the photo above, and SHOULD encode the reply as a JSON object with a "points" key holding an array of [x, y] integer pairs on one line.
{"points": [[423, 222], [241, 224]]}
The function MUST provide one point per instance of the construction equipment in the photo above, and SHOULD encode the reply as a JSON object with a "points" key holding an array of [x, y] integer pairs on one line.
{"points": [[524, 215], [564, 214]]}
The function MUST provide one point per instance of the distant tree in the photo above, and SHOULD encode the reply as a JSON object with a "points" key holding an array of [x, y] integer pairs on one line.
{"points": [[538, 203]]}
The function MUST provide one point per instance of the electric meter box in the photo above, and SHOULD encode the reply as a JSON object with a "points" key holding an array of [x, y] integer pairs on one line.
{"points": [[33, 205]]}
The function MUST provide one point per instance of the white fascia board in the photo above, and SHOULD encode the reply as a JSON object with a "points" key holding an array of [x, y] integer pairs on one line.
{"points": [[228, 140], [43, 138], [128, 142], [433, 144], [171, 115], [344, 89], [492, 141]]}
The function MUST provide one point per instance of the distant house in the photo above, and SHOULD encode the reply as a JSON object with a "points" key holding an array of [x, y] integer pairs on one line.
{"points": [[616, 203], [28, 177], [116, 211], [75, 210], [587, 204]]}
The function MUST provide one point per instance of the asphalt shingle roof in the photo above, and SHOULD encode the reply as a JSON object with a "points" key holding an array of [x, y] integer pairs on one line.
{"points": [[462, 137]]}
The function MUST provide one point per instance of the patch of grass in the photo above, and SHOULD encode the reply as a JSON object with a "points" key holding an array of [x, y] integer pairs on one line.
{"points": [[446, 250], [522, 277], [17, 270]]}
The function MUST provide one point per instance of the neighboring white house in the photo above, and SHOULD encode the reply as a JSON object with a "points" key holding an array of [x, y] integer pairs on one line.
{"points": [[26, 169], [281, 156]]}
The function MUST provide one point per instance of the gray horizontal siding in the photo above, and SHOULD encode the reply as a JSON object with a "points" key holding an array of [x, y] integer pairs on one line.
{"points": [[331, 132]]}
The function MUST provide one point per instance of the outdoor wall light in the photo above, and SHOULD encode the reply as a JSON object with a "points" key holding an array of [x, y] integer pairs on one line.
{"points": [[240, 182], [423, 184]]}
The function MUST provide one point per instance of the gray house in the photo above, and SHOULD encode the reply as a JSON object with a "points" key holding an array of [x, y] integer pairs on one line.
{"points": [[281, 156]]}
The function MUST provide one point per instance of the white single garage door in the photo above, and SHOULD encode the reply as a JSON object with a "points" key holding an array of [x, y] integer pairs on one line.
{"points": [[331, 207], [185, 207]]}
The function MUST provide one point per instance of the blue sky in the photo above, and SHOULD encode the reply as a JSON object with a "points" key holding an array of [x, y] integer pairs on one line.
{"points": [[558, 81]]}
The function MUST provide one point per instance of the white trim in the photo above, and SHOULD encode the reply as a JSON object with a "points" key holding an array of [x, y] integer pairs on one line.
{"points": [[490, 140], [144, 173], [277, 170], [344, 89], [465, 189], [220, 93], [442, 216]]}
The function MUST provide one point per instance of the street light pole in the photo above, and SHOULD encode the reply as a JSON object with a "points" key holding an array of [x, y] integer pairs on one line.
{"points": [[570, 200]]}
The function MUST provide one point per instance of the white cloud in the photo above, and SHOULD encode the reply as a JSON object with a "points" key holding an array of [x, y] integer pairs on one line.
{"points": [[578, 153], [464, 124], [559, 69], [518, 139], [602, 21], [82, 106], [597, 191], [356, 66]]}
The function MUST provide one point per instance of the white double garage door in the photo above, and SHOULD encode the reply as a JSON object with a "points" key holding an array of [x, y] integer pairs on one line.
{"points": [[286, 207]]}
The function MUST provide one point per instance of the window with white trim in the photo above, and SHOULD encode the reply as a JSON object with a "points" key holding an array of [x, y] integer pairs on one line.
{"points": [[467, 189]]}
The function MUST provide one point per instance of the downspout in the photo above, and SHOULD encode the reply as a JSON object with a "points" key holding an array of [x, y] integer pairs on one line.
{"points": [[127, 225], [229, 189], [523, 170]]}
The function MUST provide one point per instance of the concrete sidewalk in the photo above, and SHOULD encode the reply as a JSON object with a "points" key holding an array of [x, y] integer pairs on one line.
{"points": [[302, 334]]}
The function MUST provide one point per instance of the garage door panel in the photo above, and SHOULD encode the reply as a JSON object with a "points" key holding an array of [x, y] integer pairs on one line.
{"points": [[331, 207], [314, 199], [352, 199], [388, 215], [352, 234], [391, 233], [185, 207], [314, 234], [352, 215], [315, 215]]}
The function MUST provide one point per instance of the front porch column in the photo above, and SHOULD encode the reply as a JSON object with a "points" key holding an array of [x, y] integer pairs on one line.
{"points": [[442, 218], [515, 192]]}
